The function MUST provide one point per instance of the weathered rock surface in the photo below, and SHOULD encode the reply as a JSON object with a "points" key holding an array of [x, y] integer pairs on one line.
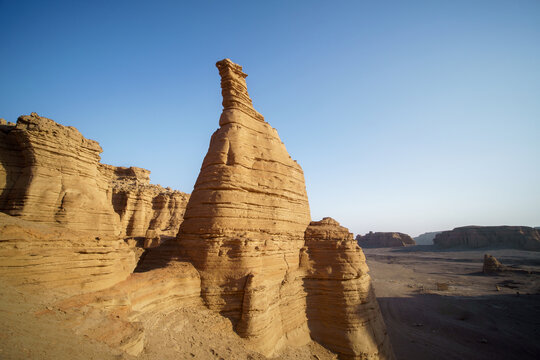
{"points": [[343, 313], [492, 265], [146, 210], [384, 239], [119, 315], [515, 237], [244, 230], [63, 260], [242, 248], [49, 174], [244, 224]]}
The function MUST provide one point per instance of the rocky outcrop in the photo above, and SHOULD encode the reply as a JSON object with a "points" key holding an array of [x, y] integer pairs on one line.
{"points": [[342, 310], [62, 260], [515, 237], [244, 230], [119, 315], [244, 224], [384, 239], [492, 265], [146, 210], [242, 248], [49, 174]]}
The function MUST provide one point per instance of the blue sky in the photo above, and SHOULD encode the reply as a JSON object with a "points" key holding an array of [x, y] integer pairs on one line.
{"points": [[405, 116]]}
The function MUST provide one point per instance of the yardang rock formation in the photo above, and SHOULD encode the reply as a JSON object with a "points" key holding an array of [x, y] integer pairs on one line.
{"points": [[245, 242], [510, 237], [384, 239], [244, 224]]}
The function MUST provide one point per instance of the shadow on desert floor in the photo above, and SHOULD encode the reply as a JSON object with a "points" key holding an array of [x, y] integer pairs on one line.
{"points": [[431, 326]]}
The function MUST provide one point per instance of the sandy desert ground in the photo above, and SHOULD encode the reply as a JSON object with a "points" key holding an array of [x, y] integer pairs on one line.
{"points": [[439, 305], [32, 329]]}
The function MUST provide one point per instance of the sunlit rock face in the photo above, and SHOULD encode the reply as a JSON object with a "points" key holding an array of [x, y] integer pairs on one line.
{"points": [[245, 221], [146, 210], [245, 232], [343, 313], [50, 174], [61, 259]]}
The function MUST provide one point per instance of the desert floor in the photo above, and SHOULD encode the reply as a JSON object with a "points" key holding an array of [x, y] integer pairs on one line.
{"points": [[30, 328], [439, 305]]}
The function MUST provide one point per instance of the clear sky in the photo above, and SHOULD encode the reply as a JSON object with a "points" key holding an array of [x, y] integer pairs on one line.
{"points": [[408, 116]]}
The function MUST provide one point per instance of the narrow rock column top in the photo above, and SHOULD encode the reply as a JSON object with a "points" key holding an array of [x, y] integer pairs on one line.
{"points": [[234, 89]]}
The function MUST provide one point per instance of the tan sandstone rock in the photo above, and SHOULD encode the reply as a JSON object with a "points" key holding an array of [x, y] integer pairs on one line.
{"points": [[245, 221], [384, 239], [242, 246], [245, 232], [49, 174], [343, 313], [59, 259], [119, 315], [146, 210]]}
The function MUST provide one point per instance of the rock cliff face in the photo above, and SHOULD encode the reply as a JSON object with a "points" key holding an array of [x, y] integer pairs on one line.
{"points": [[384, 239], [244, 230], [244, 224], [343, 313], [145, 210], [61, 259], [244, 247], [516, 237], [49, 174]]}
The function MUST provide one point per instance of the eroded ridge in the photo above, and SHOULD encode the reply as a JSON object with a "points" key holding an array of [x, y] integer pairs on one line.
{"points": [[343, 313]]}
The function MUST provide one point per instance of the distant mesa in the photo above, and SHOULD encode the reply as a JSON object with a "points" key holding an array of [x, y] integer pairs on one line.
{"points": [[426, 238], [474, 237], [384, 239]]}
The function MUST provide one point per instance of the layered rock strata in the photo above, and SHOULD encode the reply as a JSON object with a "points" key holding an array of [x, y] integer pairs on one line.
{"points": [[119, 315], [384, 239], [244, 230], [49, 174], [59, 259], [244, 224], [343, 313], [515, 237], [146, 210]]}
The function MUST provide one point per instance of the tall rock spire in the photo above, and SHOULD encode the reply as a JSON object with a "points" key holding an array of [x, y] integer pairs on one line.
{"points": [[234, 88], [244, 224], [245, 232]]}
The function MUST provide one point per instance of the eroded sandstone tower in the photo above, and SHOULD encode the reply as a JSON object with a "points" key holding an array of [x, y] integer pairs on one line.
{"points": [[244, 230], [244, 224]]}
